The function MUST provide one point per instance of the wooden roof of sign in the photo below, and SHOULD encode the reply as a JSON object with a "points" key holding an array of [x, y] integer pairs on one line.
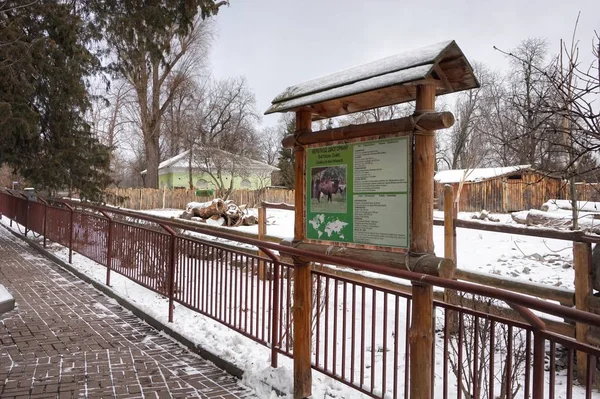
{"points": [[388, 81]]}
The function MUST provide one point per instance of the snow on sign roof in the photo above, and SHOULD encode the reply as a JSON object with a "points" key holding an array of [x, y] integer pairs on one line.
{"points": [[384, 82], [475, 175]]}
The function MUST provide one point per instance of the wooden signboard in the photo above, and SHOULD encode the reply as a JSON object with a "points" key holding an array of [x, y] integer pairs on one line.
{"points": [[358, 193]]}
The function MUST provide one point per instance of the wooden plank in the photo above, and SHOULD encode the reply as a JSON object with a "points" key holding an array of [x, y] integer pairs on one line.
{"points": [[524, 230], [582, 263], [429, 121], [302, 278], [281, 205], [563, 296]]}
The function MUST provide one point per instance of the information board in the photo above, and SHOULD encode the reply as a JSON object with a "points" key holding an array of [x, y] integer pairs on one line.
{"points": [[358, 193]]}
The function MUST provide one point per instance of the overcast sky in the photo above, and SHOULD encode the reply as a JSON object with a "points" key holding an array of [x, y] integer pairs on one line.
{"points": [[278, 43]]}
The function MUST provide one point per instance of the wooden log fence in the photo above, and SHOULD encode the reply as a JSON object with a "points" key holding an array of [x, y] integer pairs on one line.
{"points": [[149, 198]]}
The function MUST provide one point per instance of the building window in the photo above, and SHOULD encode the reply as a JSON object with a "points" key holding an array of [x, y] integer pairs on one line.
{"points": [[515, 177], [202, 184], [245, 183]]}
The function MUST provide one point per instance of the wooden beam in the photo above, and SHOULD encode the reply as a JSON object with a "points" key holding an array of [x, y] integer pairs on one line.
{"points": [[423, 165], [421, 243], [302, 277], [428, 121], [448, 222], [524, 230], [421, 342], [440, 73], [582, 263], [432, 265]]}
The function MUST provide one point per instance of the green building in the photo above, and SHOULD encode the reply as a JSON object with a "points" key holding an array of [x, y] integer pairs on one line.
{"points": [[212, 169]]}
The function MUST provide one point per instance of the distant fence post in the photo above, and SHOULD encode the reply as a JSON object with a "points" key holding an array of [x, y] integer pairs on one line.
{"points": [[44, 228], [262, 232], [26, 213], [109, 248], [450, 296], [71, 230], [171, 270], [582, 263]]}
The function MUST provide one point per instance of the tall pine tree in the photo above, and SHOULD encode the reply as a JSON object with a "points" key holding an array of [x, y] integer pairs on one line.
{"points": [[44, 71]]}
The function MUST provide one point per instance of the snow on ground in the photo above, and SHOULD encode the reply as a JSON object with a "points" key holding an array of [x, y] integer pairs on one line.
{"points": [[526, 258], [544, 261]]}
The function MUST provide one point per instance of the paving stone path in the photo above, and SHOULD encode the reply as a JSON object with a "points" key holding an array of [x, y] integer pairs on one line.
{"points": [[67, 340]]}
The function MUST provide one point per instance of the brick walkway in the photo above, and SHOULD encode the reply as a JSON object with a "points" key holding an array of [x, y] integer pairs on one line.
{"points": [[65, 339]]}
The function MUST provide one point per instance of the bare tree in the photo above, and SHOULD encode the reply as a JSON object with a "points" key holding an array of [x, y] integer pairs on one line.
{"points": [[156, 81], [465, 145], [269, 143]]}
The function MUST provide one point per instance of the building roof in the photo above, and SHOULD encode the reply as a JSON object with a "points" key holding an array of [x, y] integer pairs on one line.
{"points": [[384, 82], [476, 175], [181, 161]]}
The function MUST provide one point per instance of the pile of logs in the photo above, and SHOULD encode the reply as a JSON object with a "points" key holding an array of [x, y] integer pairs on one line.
{"points": [[557, 214], [218, 212]]}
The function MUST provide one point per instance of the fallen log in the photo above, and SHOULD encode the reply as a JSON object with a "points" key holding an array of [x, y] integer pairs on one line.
{"points": [[206, 209]]}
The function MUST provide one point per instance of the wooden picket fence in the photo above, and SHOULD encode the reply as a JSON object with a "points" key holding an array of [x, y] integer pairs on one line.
{"points": [[150, 198]]}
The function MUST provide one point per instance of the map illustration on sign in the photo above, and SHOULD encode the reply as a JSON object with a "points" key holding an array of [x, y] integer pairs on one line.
{"points": [[359, 193]]}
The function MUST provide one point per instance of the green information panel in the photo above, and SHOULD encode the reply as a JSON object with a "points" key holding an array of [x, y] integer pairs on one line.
{"points": [[359, 193]]}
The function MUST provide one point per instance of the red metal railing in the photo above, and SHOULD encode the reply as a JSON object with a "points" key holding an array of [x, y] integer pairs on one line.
{"points": [[360, 330]]}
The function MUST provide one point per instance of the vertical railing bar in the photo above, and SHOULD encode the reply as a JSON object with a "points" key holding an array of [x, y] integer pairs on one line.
{"points": [[335, 322], [270, 300], [344, 328], [318, 320], [589, 377], [445, 354], [373, 334], [234, 279], [552, 371], [287, 314], [264, 303], [509, 361], [528, 364], [274, 306], [492, 353], [396, 348], [476, 358], [353, 343], [570, 357], [407, 348], [326, 340], [433, 337], [384, 343], [362, 336], [459, 378]]}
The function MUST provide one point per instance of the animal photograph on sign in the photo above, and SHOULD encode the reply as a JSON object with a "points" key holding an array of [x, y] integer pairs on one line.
{"points": [[328, 189]]}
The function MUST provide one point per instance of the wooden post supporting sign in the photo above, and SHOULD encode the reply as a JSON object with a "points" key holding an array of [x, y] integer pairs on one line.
{"points": [[302, 277], [421, 243]]}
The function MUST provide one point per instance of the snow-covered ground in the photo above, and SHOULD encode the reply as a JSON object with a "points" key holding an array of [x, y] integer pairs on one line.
{"points": [[521, 257], [540, 260]]}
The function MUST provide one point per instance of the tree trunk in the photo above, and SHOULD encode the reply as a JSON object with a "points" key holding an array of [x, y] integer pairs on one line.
{"points": [[152, 159]]}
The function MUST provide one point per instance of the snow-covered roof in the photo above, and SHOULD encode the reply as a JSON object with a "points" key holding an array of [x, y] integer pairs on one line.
{"points": [[475, 175], [181, 161], [384, 81]]}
